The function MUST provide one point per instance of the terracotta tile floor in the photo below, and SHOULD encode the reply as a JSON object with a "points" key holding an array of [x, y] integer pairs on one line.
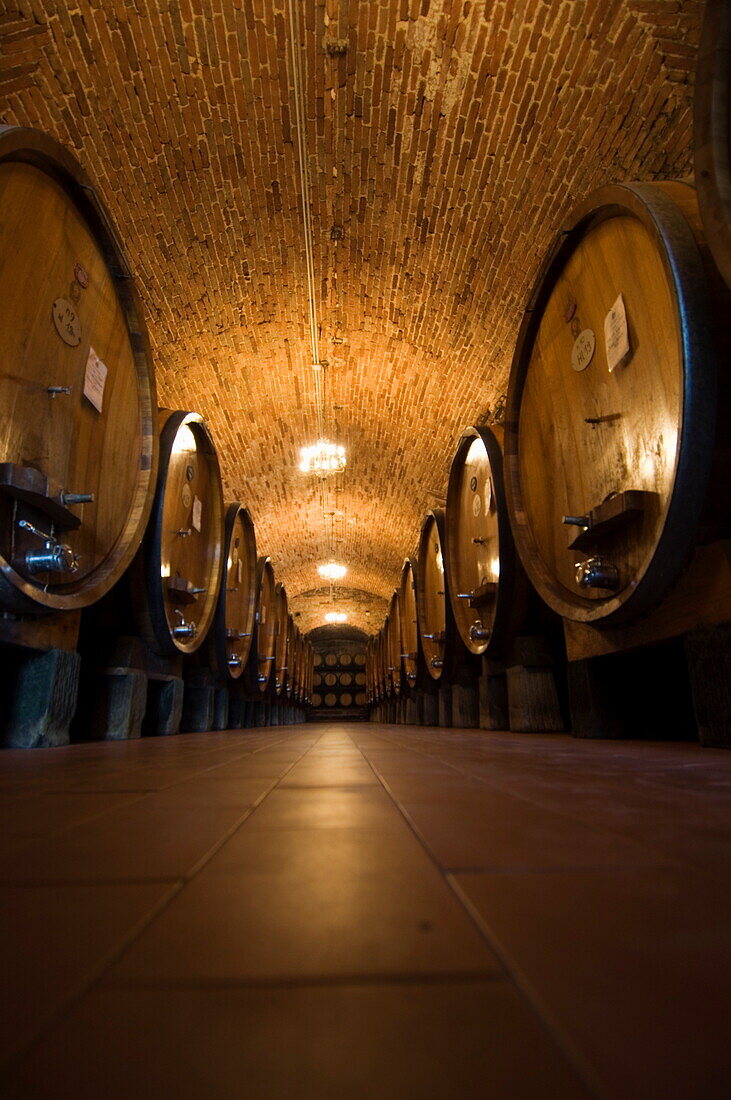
{"points": [[365, 911]]}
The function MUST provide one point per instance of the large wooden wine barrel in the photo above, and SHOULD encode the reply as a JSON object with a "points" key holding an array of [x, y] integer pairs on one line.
{"points": [[485, 581], [393, 640], [230, 638], [410, 648], [443, 649], [292, 679], [77, 395], [384, 676], [607, 470], [262, 657], [281, 612], [291, 673], [712, 131], [310, 671], [369, 667], [182, 552]]}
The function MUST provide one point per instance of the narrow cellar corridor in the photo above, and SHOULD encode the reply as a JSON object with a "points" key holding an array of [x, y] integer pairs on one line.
{"points": [[362, 910]]}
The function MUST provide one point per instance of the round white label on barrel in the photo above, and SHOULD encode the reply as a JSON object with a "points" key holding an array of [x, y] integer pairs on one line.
{"points": [[476, 504], [66, 321], [583, 350]]}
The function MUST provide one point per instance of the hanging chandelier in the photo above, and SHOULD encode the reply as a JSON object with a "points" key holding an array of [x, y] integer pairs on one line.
{"points": [[323, 458], [332, 571]]}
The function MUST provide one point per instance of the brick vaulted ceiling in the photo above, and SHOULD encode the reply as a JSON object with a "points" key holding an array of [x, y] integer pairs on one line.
{"points": [[447, 143]]}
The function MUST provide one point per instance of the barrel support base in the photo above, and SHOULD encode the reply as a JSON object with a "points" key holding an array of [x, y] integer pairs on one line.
{"points": [[645, 694], [41, 697], [220, 709], [445, 706], [709, 665], [164, 707], [465, 706], [428, 708], [533, 702], [118, 701], [493, 690]]}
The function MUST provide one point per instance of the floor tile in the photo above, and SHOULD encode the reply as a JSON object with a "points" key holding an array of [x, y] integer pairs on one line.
{"points": [[330, 772], [483, 828], [53, 939], [326, 808], [292, 904], [410, 1042], [634, 965], [213, 790], [136, 843], [41, 813]]}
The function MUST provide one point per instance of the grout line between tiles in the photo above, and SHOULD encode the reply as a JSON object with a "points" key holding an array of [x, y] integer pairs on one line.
{"points": [[572, 1054], [300, 981]]}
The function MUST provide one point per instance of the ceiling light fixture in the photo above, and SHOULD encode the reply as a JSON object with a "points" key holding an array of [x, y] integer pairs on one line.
{"points": [[336, 617], [323, 458], [332, 571]]}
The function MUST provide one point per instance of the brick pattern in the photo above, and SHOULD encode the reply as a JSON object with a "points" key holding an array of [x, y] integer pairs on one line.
{"points": [[448, 143], [364, 609]]}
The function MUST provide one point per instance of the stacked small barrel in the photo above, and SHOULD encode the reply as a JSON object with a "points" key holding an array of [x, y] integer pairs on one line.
{"points": [[121, 569], [339, 679]]}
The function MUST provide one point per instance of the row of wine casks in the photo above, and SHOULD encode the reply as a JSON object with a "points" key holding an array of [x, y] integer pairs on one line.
{"points": [[198, 583], [463, 595], [611, 469], [99, 488]]}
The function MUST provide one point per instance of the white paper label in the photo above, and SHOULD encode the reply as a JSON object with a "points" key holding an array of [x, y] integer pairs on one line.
{"points": [[197, 512], [95, 379], [476, 504], [583, 350], [616, 334]]}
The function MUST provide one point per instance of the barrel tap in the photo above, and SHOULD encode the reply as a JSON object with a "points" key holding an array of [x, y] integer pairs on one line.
{"points": [[595, 573], [55, 557]]}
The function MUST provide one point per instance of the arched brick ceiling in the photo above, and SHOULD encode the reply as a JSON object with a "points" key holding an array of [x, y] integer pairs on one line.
{"points": [[448, 143]]}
